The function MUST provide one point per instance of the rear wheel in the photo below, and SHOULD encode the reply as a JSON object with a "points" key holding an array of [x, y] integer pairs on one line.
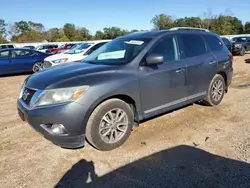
{"points": [[110, 124], [38, 66], [216, 91]]}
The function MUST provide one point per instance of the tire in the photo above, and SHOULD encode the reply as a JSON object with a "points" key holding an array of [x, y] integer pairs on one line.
{"points": [[38, 66], [97, 126], [242, 52], [211, 99]]}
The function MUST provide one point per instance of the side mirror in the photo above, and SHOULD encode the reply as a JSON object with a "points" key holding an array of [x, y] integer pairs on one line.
{"points": [[154, 59]]}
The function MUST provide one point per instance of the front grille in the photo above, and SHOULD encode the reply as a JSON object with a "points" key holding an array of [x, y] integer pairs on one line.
{"points": [[46, 64], [27, 95]]}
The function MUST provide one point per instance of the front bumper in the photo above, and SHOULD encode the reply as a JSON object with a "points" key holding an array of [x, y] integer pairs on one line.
{"points": [[236, 50], [70, 115]]}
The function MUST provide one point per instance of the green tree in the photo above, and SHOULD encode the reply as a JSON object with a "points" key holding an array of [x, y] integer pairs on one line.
{"points": [[82, 34], [64, 38], [112, 32], [36, 26], [162, 21], [2, 28], [99, 35], [22, 26], [3, 40], [247, 28], [30, 36], [53, 34], [188, 22], [69, 31]]}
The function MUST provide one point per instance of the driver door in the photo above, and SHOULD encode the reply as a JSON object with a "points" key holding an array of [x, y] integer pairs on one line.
{"points": [[163, 87]]}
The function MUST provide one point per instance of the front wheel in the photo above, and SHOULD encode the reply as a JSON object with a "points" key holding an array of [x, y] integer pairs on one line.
{"points": [[37, 67], [216, 91], [242, 52], [110, 125]]}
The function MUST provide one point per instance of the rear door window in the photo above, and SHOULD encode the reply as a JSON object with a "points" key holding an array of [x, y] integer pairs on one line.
{"points": [[192, 45], [213, 43], [23, 53]]}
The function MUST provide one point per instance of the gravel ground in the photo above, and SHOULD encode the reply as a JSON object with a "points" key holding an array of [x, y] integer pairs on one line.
{"points": [[196, 146]]}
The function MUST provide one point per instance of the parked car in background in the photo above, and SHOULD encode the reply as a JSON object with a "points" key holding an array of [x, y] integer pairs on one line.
{"points": [[45, 47], [20, 60], [29, 47], [75, 54], [130, 79], [66, 50], [240, 45], [60, 48], [228, 44], [4, 46]]}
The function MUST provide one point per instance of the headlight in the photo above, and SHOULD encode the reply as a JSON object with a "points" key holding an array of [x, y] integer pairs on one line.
{"points": [[21, 90], [60, 60], [238, 45], [55, 96]]}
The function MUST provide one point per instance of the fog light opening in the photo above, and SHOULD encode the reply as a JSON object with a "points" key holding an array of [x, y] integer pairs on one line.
{"points": [[58, 129], [55, 128]]}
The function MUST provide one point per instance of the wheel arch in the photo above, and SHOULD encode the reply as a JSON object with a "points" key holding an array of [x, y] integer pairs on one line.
{"points": [[126, 98], [224, 75]]}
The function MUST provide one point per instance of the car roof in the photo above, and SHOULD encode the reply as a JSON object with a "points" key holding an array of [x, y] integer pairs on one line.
{"points": [[153, 34], [146, 34]]}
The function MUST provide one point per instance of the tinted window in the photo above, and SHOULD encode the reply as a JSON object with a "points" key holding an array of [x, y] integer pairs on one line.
{"points": [[94, 48], [21, 53], [3, 47], [226, 41], [213, 43], [5, 54], [166, 48], [193, 45], [10, 46], [239, 39]]}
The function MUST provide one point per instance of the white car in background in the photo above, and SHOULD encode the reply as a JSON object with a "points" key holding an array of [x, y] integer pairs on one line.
{"points": [[76, 54], [44, 47]]}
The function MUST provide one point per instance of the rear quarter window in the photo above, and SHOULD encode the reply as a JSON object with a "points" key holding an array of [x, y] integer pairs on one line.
{"points": [[213, 43]]}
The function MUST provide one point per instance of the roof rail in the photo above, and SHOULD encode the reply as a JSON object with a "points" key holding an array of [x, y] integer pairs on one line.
{"points": [[188, 28]]}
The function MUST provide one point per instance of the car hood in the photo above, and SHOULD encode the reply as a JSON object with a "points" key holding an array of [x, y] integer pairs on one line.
{"points": [[71, 57], [71, 75]]}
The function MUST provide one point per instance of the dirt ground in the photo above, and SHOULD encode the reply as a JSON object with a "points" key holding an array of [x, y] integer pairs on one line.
{"points": [[196, 146]]}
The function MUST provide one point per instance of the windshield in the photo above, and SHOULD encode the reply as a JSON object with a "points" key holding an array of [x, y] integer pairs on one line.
{"points": [[62, 46], [79, 48], [239, 39], [118, 51]]}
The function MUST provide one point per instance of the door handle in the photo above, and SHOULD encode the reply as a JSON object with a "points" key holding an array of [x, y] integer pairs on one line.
{"points": [[180, 71]]}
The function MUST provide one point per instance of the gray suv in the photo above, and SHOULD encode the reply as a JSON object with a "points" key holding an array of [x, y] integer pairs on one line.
{"points": [[130, 79]]}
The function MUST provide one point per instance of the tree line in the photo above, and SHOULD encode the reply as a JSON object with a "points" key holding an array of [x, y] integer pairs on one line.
{"points": [[28, 31]]}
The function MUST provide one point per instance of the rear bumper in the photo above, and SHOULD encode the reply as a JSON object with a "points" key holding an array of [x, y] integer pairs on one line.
{"points": [[229, 76], [70, 115], [236, 50]]}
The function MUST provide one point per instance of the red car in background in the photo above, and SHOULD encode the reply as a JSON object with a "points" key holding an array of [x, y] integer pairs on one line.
{"points": [[60, 48]]}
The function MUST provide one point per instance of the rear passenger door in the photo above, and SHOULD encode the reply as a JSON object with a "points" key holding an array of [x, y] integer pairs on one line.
{"points": [[201, 64], [23, 59], [216, 46], [163, 87]]}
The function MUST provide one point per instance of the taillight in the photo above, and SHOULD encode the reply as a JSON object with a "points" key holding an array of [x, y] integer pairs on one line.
{"points": [[231, 56]]}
